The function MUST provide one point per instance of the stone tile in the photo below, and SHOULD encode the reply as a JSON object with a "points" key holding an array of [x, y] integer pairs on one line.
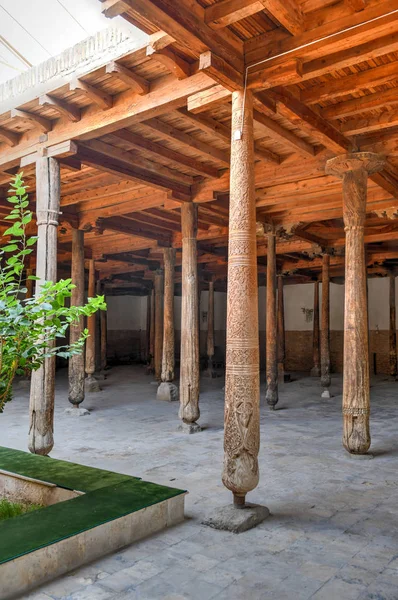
{"points": [[338, 588], [92, 592]]}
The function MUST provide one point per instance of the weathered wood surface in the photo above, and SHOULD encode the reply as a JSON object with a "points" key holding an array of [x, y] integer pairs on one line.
{"points": [[242, 377], [316, 369], [281, 332], [104, 339], [167, 390], [158, 349], [354, 170], [271, 327], [41, 407], [91, 384], [393, 329], [189, 357], [151, 364], [325, 327], [76, 362], [209, 372]]}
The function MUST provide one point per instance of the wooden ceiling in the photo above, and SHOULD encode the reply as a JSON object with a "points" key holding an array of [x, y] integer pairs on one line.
{"points": [[138, 136]]}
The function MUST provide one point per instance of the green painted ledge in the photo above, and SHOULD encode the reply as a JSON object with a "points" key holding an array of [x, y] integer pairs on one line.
{"points": [[107, 496]]}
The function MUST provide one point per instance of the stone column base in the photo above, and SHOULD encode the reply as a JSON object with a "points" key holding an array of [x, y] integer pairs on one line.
{"points": [[326, 394], [237, 520], [91, 385], [167, 391], [76, 411], [189, 428]]}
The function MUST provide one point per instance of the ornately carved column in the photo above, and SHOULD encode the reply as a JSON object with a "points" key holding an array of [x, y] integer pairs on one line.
{"points": [[281, 332], [316, 370], [210, 332], [271, 332], [393, 328], [189, 357], [76, 362], [167, 390], [242, 381], [354, 170], [91, 383], [42, 388], [325, 327], [158, 350]]}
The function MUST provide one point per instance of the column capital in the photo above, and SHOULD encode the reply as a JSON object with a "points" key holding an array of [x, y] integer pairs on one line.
{"points": [[355, 161]]}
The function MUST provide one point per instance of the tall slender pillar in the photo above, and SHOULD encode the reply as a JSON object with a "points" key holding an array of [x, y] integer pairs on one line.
{"points": [[189, 366], [325, 327], [271, 332], [354, 170], [210, 332], [242, 376], [42, 389], [167, 390], [76, 362], [393, 328], [91, 384], [104, 339], [29, 283], [158, 349], [281, 332], [316, 369], [151, 358]]}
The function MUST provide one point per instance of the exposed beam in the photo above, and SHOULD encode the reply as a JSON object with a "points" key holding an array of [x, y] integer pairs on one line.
{"points": [[67, 110], [101, 98], [356, 5], [137, 83], [361, 125], [114, 8], [219, 70], [130, 227], [168, 58], [287, 13], [208, 99], [9, 137], [22, 115], [287, 137], [226, 12], [356, 106]]}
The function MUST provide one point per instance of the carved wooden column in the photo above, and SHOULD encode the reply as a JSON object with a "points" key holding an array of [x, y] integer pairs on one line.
{"points": [[76, 362], [354, 170], [91, 383], [189, 357], [271, 332], [42, 389], [167, 390], [242, 381], [325, 327], [151, 362], [281, 332], [393, 328], [316, 370], [158, 349], [210, 332], [104, 339]]}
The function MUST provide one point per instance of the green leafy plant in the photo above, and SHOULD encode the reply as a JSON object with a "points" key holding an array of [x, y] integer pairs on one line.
{"points": [[8, 509], [29, 327]]}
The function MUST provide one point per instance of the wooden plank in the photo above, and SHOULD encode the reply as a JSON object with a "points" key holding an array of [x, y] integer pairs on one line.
{"points": [[356, 5], [129, 227], [355, 106], [63, 150], [188, 140], [219, 70], [174, 63], [287, 12], [134, 81], [208, 99], [226, 12], [101, 98], [114, 8], [70, 112], [361, 125], [275, 130], [141, 143], [9, 137], [26, 117]]}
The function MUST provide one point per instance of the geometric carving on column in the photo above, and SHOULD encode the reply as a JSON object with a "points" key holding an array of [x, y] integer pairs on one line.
{"points": [[325, 327], [354, 170], [316, 369], [271, 327], [158, 350], [167, 390]]}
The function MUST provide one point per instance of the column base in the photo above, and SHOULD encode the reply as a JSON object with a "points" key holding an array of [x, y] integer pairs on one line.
{"points": [[271, 397], [326, 394], [91, 385], [167, 391], [100, 375], [315, 372], [366, 456], [237, 520], [189, 428], [76, 411]]}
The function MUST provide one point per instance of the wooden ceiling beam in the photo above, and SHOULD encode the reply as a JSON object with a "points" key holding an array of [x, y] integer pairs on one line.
{"points": [[169, 59], [348, 108], [361, 125], [227, 12], [9, 137], [208, 99], [356, 5], [64, 108], [139, 142], [219, 70], [23, 116], [287, 137], [129, 227], [137, 83], [99, 97]]}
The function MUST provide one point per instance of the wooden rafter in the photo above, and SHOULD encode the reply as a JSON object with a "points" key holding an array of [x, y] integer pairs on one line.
{"points": [[101, 98], [23, 116]]}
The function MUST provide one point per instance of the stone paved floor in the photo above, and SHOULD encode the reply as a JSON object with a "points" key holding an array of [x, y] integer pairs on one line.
{"points": [[333, 533]]}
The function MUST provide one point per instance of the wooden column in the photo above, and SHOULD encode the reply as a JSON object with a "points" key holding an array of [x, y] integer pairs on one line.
{"points": [[271, 332], [189, 357], [354, 170], [210, 372], [393, 329], [242, 376], [42, 389], [316, 369], [29, 283], [91, 384], [281, 332], [158, 348], [76, 362], [151, 308], [167, 390], [325, 327], [104, 339]]}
